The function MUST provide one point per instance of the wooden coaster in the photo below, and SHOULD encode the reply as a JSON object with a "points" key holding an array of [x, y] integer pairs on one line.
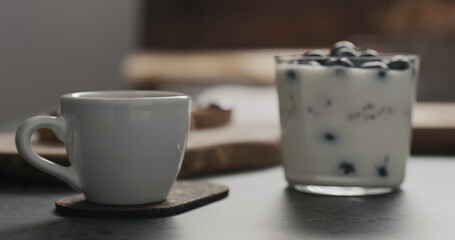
{"points": [[184, 196]]}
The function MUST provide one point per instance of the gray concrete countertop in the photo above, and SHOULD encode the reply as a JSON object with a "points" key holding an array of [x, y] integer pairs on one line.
{"points": [[259, 207]]}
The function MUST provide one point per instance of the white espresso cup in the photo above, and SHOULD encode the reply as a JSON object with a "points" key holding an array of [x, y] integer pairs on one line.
{"points": [[124, 147]]}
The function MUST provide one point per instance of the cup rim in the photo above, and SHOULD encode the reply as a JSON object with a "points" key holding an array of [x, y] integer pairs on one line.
{"points": [[124, 95], [288, 57]]}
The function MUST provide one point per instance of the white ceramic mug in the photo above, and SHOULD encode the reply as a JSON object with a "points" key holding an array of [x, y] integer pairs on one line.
{"points": [[124, 147]]}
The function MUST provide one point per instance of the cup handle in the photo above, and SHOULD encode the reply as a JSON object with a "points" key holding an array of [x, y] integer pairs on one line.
{"points": [[58, 126]]}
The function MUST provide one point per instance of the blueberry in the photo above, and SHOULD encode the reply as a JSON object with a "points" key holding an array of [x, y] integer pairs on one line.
{"points": [[399, 62], [382, 67], [346, 52], [340, 72], [341, 44], [314, 53], [317, 54], [358, 62], [290, 74], [382, 73], [346, 168], [368, 53], [308, 62], [339, 62], [375, 64], [382, 171], [314, 63], [294, 61], [330, 137]]}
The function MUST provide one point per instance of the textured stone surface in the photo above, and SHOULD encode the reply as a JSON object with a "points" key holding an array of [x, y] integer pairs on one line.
{"points": [[259, 206]]}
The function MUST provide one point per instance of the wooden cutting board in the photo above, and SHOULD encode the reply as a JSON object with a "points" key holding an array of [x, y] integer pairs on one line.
{"points": [[146, 70], [226, 148], [245, 145], [434, 129]]}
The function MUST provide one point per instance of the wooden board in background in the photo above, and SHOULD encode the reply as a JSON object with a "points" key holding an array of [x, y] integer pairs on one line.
{"points": [[227, 148], [147, 70], [434, 129], [239, 146]]}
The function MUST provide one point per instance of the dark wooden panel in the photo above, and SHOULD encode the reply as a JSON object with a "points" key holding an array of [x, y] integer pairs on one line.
{"points": [[257, 23]]}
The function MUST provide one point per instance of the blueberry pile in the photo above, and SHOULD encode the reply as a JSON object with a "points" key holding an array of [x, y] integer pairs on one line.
{"points": [[346, 54]]}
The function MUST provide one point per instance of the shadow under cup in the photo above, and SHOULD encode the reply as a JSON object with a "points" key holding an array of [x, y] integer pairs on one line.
{"points": [[345, 130], [124, 147]]}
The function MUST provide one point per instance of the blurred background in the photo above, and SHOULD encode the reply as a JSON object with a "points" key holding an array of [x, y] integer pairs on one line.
{"points": [[50, 47]]}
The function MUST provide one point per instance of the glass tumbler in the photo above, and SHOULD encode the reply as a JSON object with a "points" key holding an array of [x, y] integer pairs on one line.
{"points": [[345, 130]]}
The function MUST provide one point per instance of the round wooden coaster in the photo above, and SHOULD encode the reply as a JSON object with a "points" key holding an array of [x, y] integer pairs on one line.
{"points": [[184, 196]]}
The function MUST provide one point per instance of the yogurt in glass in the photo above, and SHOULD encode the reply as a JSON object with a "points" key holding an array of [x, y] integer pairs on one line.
{"points": [[346, 119]]}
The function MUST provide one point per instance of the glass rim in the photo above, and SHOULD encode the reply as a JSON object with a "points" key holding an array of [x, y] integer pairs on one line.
{"points": [[383, 56]]}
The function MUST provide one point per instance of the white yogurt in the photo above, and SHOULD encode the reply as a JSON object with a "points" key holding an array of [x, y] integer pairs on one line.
{"points": [[345, 126]]}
